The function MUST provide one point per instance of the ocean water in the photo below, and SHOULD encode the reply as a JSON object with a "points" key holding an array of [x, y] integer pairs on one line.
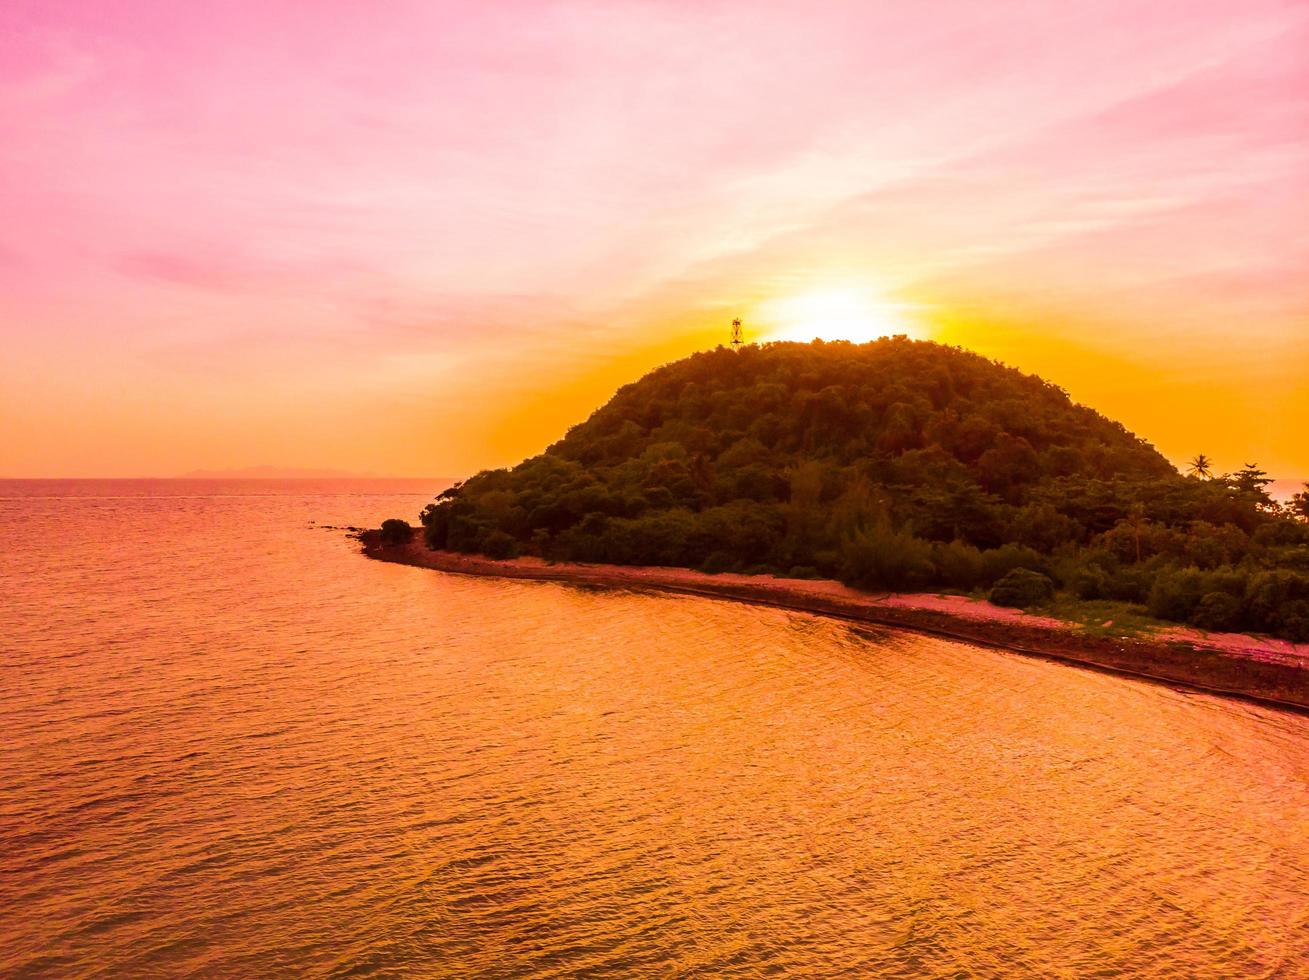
{"points": [[234, 747]]}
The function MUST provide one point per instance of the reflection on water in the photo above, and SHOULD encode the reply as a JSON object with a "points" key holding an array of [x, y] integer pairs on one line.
{"points": [[234, 746]]}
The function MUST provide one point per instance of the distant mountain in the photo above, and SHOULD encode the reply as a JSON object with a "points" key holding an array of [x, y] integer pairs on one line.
{"points": [[275, 473]]}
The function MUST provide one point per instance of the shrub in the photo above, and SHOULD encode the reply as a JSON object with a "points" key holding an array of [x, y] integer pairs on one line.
{"points": [[999, 562], [585, 541], [717, 563], [803, 571], [465, 533], [395, 531], [1129, 583], [1276, 533], [1219, 611], [1176, 593], [1086, 573], [1088, 582], [828, 562], [1042, 527], [1278, 602], [1022, 588], [880, 558], [1295, 558], [958, 564], [661, 537], [499, 545], [1293, 623], [1210, 546]]}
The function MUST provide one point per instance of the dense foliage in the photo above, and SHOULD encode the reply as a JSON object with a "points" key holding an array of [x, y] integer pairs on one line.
{"points": [[890, 465], [1022, 588], [395, 531]]}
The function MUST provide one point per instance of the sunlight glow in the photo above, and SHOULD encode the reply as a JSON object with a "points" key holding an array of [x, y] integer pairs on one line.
{"points": [[854, 313]]}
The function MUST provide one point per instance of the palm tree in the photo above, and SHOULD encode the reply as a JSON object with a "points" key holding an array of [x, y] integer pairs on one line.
{"points": [[1201, 466]]}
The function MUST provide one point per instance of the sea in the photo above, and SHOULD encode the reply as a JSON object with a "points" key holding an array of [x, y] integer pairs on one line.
{"points": [[231, 746]]}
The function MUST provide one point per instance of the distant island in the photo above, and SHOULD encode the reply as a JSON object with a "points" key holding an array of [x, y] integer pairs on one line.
{"points": [[895, 466], [276, 473]]}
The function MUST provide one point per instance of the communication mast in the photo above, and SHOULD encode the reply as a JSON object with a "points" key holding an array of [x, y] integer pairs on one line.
{"points": [[737, 339]]}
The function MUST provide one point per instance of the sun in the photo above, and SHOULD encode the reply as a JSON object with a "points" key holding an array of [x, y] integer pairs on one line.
{"points": [[854, 313]]}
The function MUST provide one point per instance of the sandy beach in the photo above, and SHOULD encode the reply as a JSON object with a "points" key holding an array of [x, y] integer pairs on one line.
{"points": [[1259, 668]]}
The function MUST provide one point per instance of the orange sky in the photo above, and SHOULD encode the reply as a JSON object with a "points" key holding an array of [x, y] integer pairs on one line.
{"points": [[426, 238]]}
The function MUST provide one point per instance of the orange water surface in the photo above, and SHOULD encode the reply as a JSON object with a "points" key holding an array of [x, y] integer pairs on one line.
{"points": [[234, 747]]}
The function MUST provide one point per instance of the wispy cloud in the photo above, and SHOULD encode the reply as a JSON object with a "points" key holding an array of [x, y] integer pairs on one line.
{"points": [[494, 191]]}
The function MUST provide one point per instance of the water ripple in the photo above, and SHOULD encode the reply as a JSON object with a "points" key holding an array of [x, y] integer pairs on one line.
{"points": [[233, 747]]}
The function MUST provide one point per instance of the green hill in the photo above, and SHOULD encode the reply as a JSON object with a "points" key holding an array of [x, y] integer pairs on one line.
{"points": [[889, 465]]}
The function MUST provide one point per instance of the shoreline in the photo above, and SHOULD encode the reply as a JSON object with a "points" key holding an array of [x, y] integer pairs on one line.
{"points": [[1267, 671]]}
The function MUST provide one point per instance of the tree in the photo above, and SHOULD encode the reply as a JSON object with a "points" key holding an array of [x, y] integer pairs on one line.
{"points": [[1137, 522], [1299, 505], [1022, 588], [1201, 466], [394, 531], [1251, 481], [892, 464]]}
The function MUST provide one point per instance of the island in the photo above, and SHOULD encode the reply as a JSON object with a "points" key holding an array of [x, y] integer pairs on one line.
{"points": [[909, 484]]}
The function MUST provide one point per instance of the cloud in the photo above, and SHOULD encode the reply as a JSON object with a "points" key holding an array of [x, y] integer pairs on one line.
{"points": [[270, 195], [185, 270]]}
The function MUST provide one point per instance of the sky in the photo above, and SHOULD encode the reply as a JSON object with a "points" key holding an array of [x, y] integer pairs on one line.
{"points": [[425, 238]]}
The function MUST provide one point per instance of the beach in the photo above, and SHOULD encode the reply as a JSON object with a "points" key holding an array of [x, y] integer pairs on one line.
{"points": [[1263, 669]]}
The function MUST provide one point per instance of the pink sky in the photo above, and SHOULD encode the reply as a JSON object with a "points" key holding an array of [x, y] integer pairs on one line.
{"points": [[425, 238]]}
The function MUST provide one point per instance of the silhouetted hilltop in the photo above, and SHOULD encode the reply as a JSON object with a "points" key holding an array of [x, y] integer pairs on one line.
{"points": [[894, 464], [933, 410]]}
